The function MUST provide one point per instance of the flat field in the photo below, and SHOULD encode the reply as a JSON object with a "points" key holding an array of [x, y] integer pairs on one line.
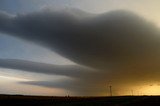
{"points": [[20, 100]]}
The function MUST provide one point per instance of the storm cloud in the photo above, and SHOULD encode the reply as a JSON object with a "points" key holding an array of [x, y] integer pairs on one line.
{"points": [[120, 45]]}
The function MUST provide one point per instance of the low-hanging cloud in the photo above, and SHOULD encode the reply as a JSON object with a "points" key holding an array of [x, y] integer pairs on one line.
{"points": [[120, 45], [74, 71]]}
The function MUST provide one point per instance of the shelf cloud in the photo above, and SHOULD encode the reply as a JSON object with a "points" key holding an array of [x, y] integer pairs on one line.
{"points": [[119, 45]]}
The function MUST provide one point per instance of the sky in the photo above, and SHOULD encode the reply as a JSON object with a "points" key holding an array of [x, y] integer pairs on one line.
{"points": [[48, 47]]}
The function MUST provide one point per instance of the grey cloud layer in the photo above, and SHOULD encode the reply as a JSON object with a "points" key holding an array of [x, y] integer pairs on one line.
{"points": [[99, 41], [74, 71], [119, 44]]}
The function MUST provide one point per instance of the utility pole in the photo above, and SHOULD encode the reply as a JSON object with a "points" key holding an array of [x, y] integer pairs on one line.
{"points": [[110, 90], [132, 92]]}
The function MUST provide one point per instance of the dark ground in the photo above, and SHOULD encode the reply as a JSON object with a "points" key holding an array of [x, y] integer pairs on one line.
{"points": [[19, 100]]}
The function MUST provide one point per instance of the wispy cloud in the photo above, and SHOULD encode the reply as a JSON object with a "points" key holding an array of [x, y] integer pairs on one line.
{"points": [[66, 70]]}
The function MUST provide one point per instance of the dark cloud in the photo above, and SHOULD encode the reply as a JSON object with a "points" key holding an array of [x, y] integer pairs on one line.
{"points": [[97, 41], [122, 46]]}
